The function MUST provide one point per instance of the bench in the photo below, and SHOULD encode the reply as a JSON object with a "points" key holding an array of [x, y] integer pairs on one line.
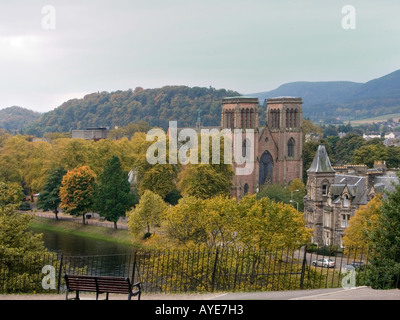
{"points": [[100, 284]]}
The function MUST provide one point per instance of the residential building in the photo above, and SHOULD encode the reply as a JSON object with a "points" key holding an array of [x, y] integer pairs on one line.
{"points": [[335, 193]]}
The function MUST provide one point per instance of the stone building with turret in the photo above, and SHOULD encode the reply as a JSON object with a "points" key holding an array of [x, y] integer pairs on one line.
{"points": [[335, 193]]}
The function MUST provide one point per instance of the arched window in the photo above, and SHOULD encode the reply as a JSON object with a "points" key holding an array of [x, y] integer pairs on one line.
{"points": [[287, 118], [246, 148], [246, 189], [278, 118], [290, 146], [295, 118]]}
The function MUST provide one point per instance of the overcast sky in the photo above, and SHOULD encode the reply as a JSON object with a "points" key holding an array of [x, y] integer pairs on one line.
{"points": [[247, 46]]}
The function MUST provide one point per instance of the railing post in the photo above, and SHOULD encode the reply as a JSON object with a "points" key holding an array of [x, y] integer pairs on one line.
{"points": [[214, 270], [134, 267], [59, 275], [303, 268]]}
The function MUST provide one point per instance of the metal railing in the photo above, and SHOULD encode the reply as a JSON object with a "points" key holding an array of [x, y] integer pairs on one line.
{"points": [[185, 271]]}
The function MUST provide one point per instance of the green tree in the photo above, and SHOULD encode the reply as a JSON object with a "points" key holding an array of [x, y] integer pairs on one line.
{"points": [[393, 159], [113, 197], [19, 247], [386, 239], [15, 240], [76, 192], [147, 215], [295, 191], [368, 154], [346, 146], [49, 198]]}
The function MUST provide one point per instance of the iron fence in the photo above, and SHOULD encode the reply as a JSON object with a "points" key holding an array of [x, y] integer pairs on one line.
{"points": [[185, 271]]}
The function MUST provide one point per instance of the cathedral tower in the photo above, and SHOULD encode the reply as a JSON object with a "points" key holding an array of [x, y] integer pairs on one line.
{"points": [[283, 142], [242, 113]]}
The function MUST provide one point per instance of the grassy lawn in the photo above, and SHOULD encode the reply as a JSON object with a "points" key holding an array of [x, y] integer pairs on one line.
{"points": [[95, 232]]}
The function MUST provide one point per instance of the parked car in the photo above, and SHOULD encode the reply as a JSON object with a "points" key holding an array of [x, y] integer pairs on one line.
{"points": [[355, 265], [326, 263]]}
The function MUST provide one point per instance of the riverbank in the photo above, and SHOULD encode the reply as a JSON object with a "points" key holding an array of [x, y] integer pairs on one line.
{"points": [[78, 229]]}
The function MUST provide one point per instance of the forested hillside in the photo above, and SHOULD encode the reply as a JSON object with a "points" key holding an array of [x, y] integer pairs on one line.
{"points": [[155, 106], [15, 118]]}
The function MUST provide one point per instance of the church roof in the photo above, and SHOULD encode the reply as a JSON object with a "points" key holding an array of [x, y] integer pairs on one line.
{"points": [[321, 162]]}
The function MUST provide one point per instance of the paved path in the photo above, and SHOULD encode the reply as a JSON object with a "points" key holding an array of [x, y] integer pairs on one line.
{"points": [[359, 293]]}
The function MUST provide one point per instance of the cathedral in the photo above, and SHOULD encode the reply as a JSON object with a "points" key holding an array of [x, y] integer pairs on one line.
{"points": [[278, 142]]}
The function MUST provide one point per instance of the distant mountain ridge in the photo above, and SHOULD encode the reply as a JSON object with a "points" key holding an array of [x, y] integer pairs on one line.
{"points": [[15, 118], [343, 99], [322, 101]]}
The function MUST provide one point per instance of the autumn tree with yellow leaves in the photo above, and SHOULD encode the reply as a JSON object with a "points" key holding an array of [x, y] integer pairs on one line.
{"points": [[76, 192], [362, 224]]}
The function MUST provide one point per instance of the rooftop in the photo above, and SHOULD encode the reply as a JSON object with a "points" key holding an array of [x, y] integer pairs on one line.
{"points": [[321, 162]]}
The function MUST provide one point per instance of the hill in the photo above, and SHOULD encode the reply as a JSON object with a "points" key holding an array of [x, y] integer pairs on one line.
{"points": [[15, 118], [343, 100], [119, 108]]}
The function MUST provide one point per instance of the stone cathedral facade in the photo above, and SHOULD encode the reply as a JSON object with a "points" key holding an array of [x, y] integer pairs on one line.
{"points": [[278, 140]]}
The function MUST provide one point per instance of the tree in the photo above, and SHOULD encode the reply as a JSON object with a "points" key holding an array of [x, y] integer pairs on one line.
{"points": [[368, 154], [15, 240], [147, 215], [49, 198], [10, 194], [386, 240], [362, 224], [159, 178], [267, 224], [221, 221], [185, 222], [346, 146], [20, 249], [76, 192], [311, 132], [203, 181], [113, 197], [295, 191], [393, 160]]}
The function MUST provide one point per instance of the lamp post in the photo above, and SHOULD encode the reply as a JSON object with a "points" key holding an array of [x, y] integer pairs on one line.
{"points": [[297, 204], [292, 201]]}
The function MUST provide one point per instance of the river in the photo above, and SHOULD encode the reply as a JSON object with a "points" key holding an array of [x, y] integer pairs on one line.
{"points": [[73, 245], [100, 257]]}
